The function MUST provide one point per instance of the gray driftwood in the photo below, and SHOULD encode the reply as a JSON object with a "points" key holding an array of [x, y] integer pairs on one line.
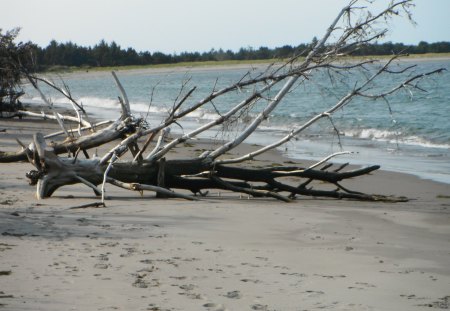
{"points": [[153, 170]]}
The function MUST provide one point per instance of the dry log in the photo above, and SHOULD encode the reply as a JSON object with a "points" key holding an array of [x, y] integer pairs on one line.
{"points": [[162, 175], [116, 130], [212, 169]]}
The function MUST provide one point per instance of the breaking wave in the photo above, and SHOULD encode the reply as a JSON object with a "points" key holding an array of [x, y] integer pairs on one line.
{"points": [[393, 137]]}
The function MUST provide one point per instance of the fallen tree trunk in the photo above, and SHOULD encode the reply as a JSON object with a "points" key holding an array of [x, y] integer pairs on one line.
{"points": [[259, 97], [117, 130], [194, 175]]}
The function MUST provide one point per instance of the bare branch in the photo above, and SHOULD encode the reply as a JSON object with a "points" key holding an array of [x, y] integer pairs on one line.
{"points": [[160, 141], [105, 176], [263, 92], [90, 185], [81, 129], [140, 188], [45, 116], [328, 158], [65, 91], [403, 85], [126, 110]]}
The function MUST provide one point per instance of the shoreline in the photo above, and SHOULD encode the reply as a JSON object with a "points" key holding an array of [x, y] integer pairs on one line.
{"points": [[25, 128], [431, 168], [225, 65], [224, 252], [274, 156], [387, 150]]}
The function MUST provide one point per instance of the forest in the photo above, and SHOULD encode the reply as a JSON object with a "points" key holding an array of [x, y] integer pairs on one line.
{"points": [[104, 54]]}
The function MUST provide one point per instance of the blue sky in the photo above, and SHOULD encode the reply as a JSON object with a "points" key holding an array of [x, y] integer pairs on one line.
{"points": [[174, 26]]}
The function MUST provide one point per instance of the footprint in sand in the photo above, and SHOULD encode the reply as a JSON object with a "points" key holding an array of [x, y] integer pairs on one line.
{"points": [[130, 251], [259, 307], [187, 287], [314, 293], [441, 303], [234, 294], [251, 281], [101, 266], [142, 282], [102, 257], [210, 306], [189, 291]]}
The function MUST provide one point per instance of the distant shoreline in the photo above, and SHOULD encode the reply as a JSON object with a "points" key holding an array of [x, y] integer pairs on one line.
{"points": [[231, 64]]}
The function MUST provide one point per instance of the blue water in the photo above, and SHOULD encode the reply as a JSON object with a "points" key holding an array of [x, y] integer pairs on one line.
{"points": [[409, 133]]}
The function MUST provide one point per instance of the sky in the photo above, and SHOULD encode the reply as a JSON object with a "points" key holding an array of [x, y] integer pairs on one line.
{"points": [[174, 26]]}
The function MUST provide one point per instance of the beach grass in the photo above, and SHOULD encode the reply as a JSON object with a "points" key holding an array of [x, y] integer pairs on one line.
{"points": [[225, 63], [441, 196], [173, 65]]}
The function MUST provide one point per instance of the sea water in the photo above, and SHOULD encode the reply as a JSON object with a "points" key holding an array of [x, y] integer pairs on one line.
{"points": [[408, 131]]}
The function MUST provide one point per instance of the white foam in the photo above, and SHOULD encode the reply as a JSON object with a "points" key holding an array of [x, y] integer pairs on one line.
{"points": [[98, 102], [108, 108], [372, 134], [393, 137]]}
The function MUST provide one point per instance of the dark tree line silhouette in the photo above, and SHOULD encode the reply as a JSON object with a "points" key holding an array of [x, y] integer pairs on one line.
{"points": [[69, 54], [111, 54]]}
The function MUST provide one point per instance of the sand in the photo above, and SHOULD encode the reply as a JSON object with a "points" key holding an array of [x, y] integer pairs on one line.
{"points": [[225, 252], [196, 67]]}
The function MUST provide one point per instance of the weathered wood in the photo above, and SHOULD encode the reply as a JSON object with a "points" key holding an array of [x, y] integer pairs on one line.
{"points": [[212, 169], [161, 177], [93, 204], [114, 131], [142, 187], [249, 190]]}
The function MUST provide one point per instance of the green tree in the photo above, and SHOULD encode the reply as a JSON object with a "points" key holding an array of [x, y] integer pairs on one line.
{"points": [[14, 59]]}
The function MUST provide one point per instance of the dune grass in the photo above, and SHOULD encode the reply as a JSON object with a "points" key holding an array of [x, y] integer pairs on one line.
{"points": [[225, 63]]}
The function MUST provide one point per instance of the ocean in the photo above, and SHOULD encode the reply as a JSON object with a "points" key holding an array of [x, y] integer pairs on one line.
{"points": [[408, 133]]}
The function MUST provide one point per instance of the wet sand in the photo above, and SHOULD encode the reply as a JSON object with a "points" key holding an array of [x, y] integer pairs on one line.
{"points": [[225, 252]]}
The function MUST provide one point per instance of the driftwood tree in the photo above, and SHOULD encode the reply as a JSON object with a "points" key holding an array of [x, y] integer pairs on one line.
{"points": [[152, 170]]}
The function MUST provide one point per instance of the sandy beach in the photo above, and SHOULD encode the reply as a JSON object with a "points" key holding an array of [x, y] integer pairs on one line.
{"points": [[222, 66], [224, 252]]}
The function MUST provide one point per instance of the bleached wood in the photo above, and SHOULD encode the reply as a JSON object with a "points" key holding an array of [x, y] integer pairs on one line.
{"points": [[61, 123], [45, 116], [126, 110], [208, 171], [141, 187], [160, 141], [280, 95], [105, 175], [220, 120], [49, 104], [90, 185], [65, 91], [256, 122], [81, 129]]}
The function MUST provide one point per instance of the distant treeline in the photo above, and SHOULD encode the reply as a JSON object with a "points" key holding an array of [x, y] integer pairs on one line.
{"points": [[111, 54]]}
